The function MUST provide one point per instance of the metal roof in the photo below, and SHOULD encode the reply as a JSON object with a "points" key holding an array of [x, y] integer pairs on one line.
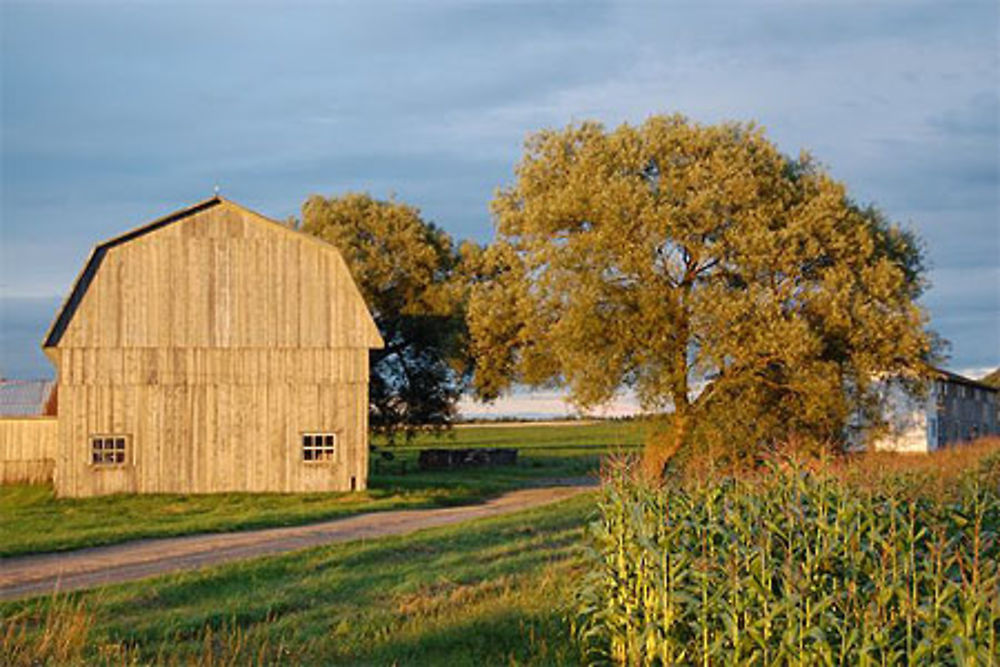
{"points": [[948, 376], [24, 398]]}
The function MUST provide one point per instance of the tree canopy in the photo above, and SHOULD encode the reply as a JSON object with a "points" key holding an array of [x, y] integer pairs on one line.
{"points": [[739, 288], [992, 379], [405, 269]]}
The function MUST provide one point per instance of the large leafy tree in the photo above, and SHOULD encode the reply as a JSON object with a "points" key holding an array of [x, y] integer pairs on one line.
{"points": [[736, 288], [405, 268], [992, 379]]}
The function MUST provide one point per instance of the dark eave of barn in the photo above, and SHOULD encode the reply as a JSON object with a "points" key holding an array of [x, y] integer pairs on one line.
{"points": [[955, 378], [86, 276]]}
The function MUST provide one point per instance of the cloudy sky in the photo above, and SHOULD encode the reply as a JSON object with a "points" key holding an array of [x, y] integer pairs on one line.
{"points": [[117, 113]]}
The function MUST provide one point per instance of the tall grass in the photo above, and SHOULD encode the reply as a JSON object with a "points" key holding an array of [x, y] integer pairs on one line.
{"points": [[56, 635], [794, 566], [61, 634]]}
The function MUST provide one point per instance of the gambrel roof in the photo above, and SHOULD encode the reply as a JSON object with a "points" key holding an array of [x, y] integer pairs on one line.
{"points": [[98, 256]]}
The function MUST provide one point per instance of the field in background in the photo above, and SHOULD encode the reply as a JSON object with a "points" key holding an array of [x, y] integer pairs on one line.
{"points": [[33, 520]]}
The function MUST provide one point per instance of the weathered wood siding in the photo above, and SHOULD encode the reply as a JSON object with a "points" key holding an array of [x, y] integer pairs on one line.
{"points": [[221, 278], [28, 449], [212, 344], [213, 437]]}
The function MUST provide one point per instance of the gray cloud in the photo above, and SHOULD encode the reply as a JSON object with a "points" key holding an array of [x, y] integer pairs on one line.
{"points": [[113, 114]]}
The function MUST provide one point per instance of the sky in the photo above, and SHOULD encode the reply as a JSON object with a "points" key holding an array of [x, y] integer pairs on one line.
{"points": [[114, 114]]}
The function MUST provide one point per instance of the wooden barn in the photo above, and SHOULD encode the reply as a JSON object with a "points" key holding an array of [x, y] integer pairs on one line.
{"points": [[212, 350]]}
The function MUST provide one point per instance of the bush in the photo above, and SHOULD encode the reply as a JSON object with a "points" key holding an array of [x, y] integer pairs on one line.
{"points": [[792, 565]]}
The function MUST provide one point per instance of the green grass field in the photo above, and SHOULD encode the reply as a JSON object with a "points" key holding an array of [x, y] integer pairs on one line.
{"points": [[33, 520], [502, 591], [487, 592]]}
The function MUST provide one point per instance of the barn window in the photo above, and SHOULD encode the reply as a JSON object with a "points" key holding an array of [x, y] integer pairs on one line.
{"points": [[108, 450], [319, 446]]}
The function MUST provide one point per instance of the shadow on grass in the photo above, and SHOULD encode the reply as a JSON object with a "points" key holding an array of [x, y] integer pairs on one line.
{"points": [[503, 637], [303, 597]]}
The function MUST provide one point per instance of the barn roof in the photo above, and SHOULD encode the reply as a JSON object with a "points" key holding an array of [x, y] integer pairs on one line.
{"points": [[948, 376], [24, 398], [86, 277]]}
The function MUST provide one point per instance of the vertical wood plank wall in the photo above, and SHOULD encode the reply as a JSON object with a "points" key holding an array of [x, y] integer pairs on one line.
{"points": [[28, 449], [213, 343]]}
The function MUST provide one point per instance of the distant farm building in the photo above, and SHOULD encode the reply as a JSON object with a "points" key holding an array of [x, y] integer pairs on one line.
{"points": [[27, 398], [956, 409], [211, 350]]}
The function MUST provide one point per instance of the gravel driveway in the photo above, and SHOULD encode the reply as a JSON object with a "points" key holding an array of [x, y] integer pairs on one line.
{"points": [[26, 576]]}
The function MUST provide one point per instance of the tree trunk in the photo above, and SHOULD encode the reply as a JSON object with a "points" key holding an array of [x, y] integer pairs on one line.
{"points": [[679, 388], [662, 448]]}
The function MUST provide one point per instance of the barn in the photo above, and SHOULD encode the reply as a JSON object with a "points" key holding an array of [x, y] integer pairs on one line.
{"points": [[210, 350], [956, 409]]}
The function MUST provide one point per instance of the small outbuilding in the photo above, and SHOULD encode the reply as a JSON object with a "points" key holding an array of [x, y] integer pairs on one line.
{"points": [[956, 409], [211, 350]]}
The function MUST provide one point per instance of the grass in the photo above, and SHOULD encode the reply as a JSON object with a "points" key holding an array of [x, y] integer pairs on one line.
{"points": [[33, 520], [486, 592], [504, 590]]}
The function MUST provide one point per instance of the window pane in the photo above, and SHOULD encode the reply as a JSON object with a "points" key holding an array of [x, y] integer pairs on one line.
{"points": [[319, 446], [108, 449]]}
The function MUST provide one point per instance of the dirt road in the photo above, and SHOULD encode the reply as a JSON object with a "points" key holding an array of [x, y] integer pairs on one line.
{"points": [[26, 576]]}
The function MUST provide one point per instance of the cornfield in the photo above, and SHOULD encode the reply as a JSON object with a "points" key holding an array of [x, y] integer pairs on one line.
{"points": [[793, 567]]}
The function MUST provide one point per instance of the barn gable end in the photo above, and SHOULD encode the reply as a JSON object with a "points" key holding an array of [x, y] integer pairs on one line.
{"points": [[210, 351], [214, 275]]}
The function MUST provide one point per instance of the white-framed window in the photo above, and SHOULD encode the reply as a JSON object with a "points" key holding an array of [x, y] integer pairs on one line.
{"points": [[109, 450], [319, 447]]}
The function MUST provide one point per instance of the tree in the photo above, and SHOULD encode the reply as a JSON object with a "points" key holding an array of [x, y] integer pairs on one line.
{"points": [[405, 268], [697, 265], [992, 379]]}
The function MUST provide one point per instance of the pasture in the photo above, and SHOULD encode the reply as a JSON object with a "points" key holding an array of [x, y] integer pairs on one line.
{"points": [[33, 520], [487, 592], [881, 558]]}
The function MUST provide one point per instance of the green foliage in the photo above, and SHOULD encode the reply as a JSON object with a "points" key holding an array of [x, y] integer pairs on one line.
{"points": [[794, 567], [488, 592], [407, 271], [699, 266], [992, 379]]}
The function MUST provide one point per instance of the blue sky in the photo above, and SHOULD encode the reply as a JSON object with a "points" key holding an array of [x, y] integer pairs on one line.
{"points": [[116, 113]]}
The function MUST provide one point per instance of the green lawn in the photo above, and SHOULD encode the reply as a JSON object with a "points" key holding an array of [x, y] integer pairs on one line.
{"points": [[33, 520], [487, 592]]}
